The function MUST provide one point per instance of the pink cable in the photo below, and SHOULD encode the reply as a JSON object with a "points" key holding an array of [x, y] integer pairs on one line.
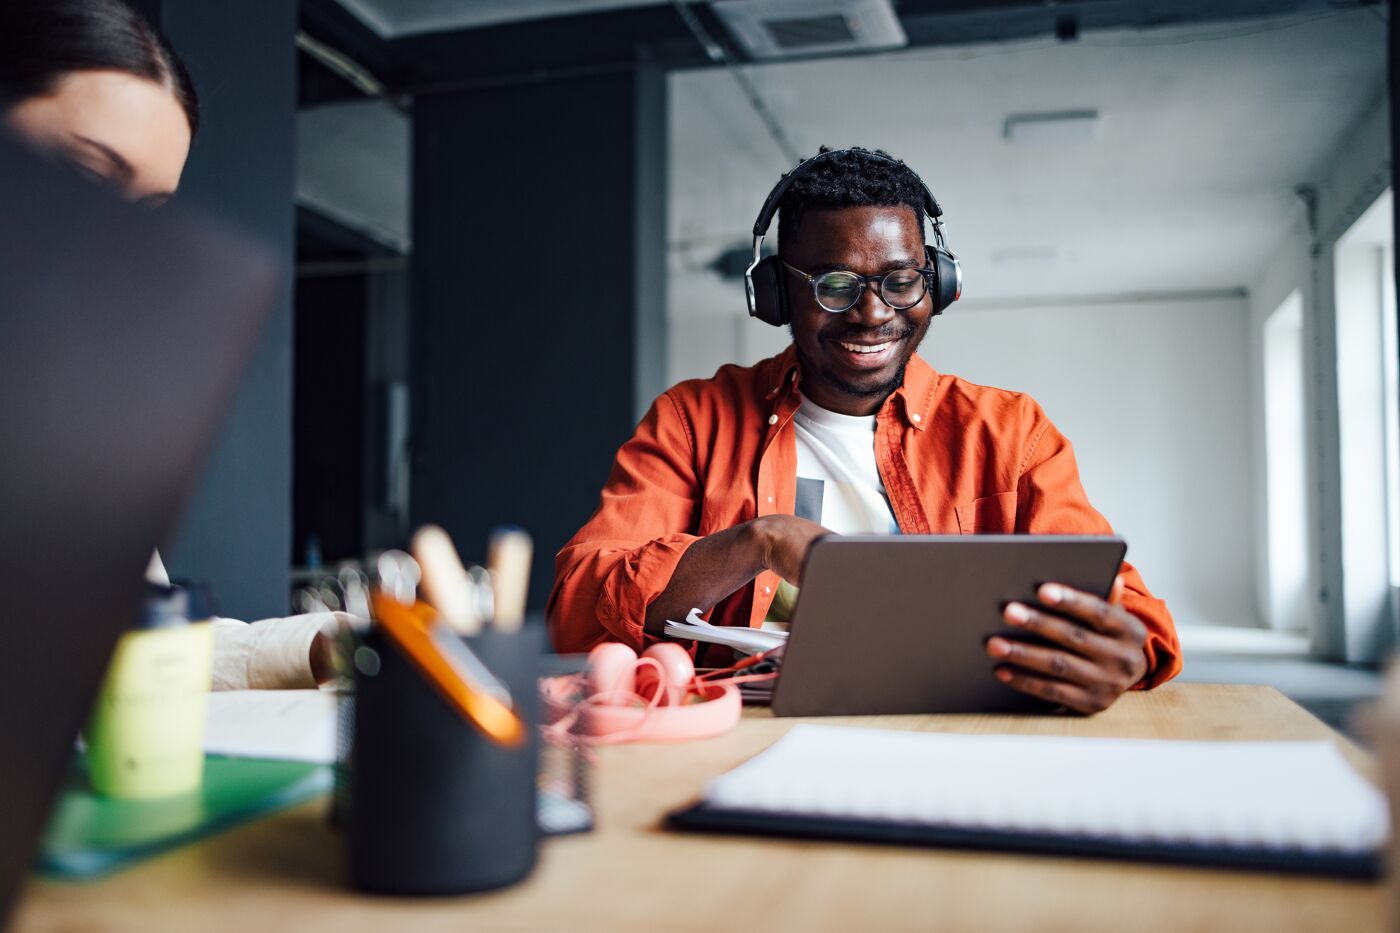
{"points": [[561, 732]]}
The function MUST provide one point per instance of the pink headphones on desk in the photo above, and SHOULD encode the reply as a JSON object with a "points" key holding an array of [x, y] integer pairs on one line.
{"points": [[652, 698]]}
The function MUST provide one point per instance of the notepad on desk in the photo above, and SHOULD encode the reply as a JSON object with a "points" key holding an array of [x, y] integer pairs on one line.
{"points": [[279, 725], [1288, 806]]}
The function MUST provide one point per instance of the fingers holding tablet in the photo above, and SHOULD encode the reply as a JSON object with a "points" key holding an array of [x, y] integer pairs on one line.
{"points": [[1094, 649]]}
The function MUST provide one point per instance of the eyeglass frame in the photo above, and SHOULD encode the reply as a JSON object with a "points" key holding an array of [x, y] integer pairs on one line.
{"points": [[927, 273]]}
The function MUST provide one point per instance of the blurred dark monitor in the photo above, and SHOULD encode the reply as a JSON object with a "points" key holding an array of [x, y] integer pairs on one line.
{"points": [[123, 334]]}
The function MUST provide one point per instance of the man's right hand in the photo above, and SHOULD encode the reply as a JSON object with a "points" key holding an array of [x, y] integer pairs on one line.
{"points": [[719, 564], [785, 541]]}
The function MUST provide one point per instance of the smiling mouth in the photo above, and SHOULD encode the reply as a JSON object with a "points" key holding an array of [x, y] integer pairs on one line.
{"points": [[866, 347], [867, 357]]}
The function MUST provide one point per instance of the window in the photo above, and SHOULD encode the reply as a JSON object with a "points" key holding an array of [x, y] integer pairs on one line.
{"points": [[1287, 466], [1366, 386], [1390, 362]]}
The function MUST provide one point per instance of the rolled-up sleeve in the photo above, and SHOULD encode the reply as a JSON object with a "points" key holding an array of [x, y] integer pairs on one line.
{"points": [[623, 558], [1051, 500], [273, 654]]}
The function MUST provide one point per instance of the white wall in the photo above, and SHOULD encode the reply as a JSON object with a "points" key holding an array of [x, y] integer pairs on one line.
{"points": [[1154, 397]]}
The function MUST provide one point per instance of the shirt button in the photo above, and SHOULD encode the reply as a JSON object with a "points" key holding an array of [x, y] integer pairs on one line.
{"points": [[770, 500], [772, 419], [916, 417], [767, 590]]}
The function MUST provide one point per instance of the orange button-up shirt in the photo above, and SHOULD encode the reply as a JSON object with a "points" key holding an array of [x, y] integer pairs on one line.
{"points": [[955, 458]]}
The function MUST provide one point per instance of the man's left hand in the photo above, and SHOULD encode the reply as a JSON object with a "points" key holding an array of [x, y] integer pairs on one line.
{"points": [[1095, 649]]}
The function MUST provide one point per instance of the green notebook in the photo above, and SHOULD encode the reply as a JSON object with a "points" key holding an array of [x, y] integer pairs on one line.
{"points": [[89, 835]]}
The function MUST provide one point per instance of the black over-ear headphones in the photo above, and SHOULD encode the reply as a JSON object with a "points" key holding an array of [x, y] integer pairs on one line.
{"points": [[764, 280]]}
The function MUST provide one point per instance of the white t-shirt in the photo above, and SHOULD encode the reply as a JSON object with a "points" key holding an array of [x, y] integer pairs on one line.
{"points": [[838, 484]]}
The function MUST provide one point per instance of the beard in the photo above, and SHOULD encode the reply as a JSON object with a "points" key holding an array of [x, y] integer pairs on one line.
{"points": [[882, 389], [875, 390]]}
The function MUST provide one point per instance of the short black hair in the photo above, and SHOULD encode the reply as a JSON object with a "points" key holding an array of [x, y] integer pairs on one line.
{"points": [[41, 41], [850, 178]]}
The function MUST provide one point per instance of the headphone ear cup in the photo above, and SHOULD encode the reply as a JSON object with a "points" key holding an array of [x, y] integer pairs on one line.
{"points": [[673, 671], [948, 288], [769, 301], [612, 668]]}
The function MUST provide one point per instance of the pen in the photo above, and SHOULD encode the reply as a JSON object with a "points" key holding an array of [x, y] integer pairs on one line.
{"points": [[508, 559], [398, 576], [485, 594], [445, 581]]}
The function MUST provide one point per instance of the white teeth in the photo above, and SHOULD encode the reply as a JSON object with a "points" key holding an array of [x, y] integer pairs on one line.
{"points": [[858, 348]]}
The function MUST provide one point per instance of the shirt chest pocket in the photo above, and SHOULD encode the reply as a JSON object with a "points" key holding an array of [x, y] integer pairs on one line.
{"points": [[990, 515]]}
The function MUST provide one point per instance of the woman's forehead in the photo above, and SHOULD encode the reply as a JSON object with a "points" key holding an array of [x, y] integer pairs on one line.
{"points": [[138, 122]]}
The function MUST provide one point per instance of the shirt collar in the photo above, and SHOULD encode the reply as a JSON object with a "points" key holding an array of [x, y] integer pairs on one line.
{"points": [[915, 396], [783, 372]]}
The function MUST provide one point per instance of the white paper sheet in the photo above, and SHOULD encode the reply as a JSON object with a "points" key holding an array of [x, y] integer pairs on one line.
{"points": [[288, 725], [742, 640]]}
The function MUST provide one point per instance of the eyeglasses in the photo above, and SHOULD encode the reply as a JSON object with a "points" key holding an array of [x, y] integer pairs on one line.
{"points": [[839, 291]]}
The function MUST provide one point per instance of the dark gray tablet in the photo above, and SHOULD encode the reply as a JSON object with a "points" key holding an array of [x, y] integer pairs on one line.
{"points": [[898, 624]]}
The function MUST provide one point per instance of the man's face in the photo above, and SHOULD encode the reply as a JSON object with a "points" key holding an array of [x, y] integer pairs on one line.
{"points": [[839, 371]]}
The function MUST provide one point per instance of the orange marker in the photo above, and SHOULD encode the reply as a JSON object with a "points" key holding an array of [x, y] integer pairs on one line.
{"points": [[451, 667]]}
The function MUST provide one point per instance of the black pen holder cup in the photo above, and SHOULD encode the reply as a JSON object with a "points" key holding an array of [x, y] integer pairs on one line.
{"points": [[437, 808]]}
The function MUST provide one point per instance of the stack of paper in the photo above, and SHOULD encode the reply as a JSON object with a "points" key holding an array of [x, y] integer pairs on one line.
{"points": [[744, 641]]}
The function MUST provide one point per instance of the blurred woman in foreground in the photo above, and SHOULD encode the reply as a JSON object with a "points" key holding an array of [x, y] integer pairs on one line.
{"points": [[90, 82]]}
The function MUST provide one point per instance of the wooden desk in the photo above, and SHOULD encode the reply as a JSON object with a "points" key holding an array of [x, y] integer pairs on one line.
{"points": [[284, 873]]}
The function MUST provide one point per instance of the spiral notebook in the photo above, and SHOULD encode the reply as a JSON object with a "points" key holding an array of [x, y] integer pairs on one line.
{"points": [[1282, 806]]}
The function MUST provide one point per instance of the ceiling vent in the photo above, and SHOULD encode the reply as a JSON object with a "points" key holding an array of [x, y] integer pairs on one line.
{"points": [[776, 29]]}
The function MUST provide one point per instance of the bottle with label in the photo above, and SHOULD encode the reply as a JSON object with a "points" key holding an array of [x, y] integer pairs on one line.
{"points": [[146, 736]]}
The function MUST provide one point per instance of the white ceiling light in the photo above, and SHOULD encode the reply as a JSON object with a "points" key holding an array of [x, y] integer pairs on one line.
{"points": [[1061, 126], [774, 29]]}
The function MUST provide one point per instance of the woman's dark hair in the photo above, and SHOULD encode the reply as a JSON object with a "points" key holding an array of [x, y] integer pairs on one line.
{"points": [[43, 40]]}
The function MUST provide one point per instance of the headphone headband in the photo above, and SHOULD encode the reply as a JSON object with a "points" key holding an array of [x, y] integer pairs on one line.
{"points": [[770, 206]]}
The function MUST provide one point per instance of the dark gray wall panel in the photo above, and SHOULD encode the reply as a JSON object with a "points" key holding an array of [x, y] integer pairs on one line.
{"points": [[237, 533], [527, 221]]}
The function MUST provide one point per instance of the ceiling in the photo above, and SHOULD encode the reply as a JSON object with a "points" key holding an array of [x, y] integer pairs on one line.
{"points": [[353, 166], [393, 19], [1187, 184]]}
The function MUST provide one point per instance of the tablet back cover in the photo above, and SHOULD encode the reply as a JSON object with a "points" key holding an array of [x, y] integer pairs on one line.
{"points": [[899, 624]]}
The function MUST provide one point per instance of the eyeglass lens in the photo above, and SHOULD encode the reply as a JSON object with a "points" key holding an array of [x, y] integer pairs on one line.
{"points": [[839, 291]]}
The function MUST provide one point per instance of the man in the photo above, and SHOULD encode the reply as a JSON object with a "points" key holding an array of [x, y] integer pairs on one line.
{"points": [[704, 504]]}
